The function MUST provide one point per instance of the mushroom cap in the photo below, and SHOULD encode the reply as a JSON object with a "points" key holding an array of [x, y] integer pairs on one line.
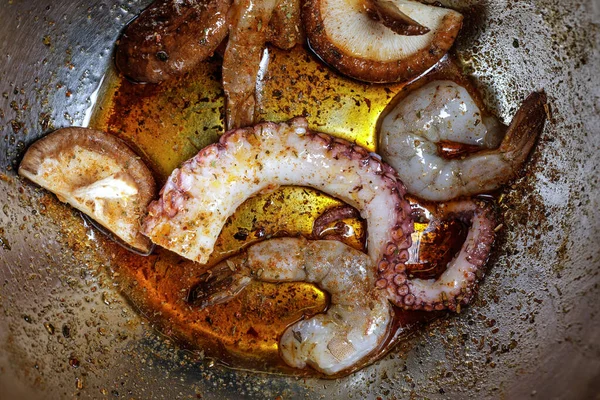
{"points": [[170, 38], [345, 37], [99, 175]]}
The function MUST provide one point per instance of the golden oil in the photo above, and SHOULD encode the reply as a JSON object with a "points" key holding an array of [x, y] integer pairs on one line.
{"points": [[170, 122]]}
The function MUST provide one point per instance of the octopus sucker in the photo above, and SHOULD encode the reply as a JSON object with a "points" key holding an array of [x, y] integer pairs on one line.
{"points": [[198, 198], [247, 161], [436, 143]]}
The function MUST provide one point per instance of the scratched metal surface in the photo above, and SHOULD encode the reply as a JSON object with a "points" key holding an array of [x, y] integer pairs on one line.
{"points": [[65, 330]]}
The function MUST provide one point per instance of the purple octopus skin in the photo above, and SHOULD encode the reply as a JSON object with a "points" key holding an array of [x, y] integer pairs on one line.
{"points": [[358, 317], [198, 198]]}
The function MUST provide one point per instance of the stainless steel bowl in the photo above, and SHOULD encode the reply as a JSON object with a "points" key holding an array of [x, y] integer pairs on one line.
{"points": [[534, 330]]}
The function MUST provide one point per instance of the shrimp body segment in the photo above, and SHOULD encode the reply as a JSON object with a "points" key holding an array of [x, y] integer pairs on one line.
{"points": [[199, 197], [248, 22]]}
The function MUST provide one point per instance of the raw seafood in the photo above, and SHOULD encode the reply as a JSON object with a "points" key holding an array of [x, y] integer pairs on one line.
{"points": [[441, 111], [457, 283], [248, 22], [199, 197], [355, 324], [356, 321]]}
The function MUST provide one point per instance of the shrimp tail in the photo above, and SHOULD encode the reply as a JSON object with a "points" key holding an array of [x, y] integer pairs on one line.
{"points": [[220, 284], [524, 129], [417, 128]]}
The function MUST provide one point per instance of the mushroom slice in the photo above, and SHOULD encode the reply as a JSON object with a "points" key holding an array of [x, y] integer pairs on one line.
{"points": [[99, 175], [170, 38], [345, 36]]}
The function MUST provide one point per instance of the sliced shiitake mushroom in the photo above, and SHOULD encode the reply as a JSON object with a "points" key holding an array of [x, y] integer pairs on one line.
{"points": [[170, 38], [344, 35], [99, 175]]}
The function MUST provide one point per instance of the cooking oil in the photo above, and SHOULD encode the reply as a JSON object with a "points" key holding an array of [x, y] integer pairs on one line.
{"points": [[170, 122]]}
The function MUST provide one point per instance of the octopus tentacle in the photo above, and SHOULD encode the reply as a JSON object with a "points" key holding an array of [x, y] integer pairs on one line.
{"points": [[200, 196], [457, 284]]}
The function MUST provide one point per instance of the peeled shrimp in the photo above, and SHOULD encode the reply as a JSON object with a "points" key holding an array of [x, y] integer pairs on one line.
{"points": [[356, 322], [443, 111], [249, 21], [353, 326]]}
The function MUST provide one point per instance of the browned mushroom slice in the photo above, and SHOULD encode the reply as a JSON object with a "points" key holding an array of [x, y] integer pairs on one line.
{"points": [[170, 38], [285, 28], [97, 174], [344, 36]]}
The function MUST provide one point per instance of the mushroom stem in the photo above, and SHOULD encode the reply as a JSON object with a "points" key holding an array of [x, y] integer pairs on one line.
{"points": [[389, 15]]}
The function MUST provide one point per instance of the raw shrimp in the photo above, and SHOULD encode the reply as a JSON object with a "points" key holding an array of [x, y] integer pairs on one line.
{"points": [[199, 197], [356, 322], [457, 284], [248, 29], [443, 111]]}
